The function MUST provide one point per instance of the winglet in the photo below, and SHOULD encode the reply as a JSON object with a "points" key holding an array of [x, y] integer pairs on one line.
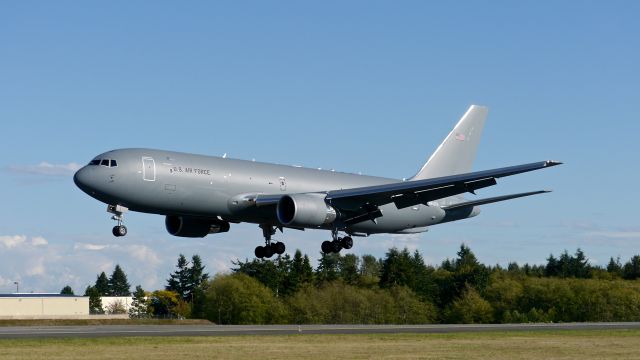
{"points": [[549, 163]]}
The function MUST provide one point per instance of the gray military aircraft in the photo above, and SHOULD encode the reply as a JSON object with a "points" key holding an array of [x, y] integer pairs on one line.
{"points": [[201, 195]]}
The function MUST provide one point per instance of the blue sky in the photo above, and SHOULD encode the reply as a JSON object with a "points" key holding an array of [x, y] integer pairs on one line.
{"points": [[369, 87]]}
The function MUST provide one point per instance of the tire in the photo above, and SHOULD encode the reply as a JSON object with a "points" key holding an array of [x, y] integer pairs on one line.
{"points": [[336, 246], [346, 242], [259, 252], [326, 247], [268, 251], [122, 230], [279, 248]]}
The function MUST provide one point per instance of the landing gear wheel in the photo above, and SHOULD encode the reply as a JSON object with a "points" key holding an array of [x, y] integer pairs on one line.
{"points": [[278, 248], [268, 251], [326, 247], [335, 246], [259, 252], [119, 230], [346, 242]]}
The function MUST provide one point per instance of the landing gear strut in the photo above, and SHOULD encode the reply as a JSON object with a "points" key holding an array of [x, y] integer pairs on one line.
{"points": [[337, 244], [270, 248], [118, 212]]}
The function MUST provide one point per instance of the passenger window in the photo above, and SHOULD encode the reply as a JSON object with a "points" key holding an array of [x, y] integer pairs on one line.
{"points": [[94, 162], [104, 162], [113, 163]]}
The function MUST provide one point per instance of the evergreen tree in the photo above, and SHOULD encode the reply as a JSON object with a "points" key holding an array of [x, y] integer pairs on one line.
{"points": [[614, 267], [95, 300], [398, 269], [178, 281], [67, 290], [197, 276], [300, 273], [552, 266], [513, 267], [306, 276], [631, 270], [580, 265], [139, 304], [348, 269], [187, 278], [102, 285], [327, 269], [467, 272], [118, 283]]}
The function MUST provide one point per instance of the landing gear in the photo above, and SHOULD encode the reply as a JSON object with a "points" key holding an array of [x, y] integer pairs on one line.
{"points": [[119, 230], [337, 244], [118, 212], [270, 248]]}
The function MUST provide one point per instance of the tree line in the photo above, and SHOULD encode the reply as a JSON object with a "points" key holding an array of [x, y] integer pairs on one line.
{"points": [[398, 288]]}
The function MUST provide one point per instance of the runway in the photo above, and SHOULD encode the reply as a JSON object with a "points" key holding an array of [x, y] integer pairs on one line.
{"points": [[13, 332]]}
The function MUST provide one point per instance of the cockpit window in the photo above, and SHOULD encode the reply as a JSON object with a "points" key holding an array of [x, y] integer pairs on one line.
{"points": [[104, 162]]}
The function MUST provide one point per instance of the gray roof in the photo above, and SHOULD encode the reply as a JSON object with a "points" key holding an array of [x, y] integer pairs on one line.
{"points": [[35, 295]]}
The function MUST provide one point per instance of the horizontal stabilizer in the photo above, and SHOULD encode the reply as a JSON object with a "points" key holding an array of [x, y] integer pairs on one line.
{"points": [[493, 199]]}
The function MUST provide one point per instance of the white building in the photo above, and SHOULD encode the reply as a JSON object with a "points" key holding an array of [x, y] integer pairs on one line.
{"points": [[109, 303], [43, 306]]}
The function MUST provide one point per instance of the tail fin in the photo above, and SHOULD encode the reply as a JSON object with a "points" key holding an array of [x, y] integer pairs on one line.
{"points": [[458, 150]]}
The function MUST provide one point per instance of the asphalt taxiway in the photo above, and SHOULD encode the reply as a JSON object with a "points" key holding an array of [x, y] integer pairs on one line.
{"points": [[13, 332]]}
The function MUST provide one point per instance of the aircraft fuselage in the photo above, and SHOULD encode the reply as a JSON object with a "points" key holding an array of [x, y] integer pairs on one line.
{"points": [[173, 183]]}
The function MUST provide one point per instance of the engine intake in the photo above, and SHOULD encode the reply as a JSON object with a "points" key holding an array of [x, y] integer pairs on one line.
{"points": [[305, 210], [185, 226]]}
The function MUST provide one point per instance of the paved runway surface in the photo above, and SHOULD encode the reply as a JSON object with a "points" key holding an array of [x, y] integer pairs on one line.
{"points": [[222, 330]]}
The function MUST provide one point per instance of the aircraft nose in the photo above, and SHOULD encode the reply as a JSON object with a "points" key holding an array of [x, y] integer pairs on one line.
{"points": [[81, 179]]}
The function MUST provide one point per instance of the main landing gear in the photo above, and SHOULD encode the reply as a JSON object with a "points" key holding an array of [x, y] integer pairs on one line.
{"points": [[270, 248], [118, 212], [337, 244]]}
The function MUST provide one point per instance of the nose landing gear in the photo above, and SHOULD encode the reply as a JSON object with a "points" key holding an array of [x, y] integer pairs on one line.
{"points": [[118, 212], [270, 248]]}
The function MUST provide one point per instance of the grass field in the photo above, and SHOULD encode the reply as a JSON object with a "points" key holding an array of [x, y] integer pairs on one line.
{"points": [[596, 344]]}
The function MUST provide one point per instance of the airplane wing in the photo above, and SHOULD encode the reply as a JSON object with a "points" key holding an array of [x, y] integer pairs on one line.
{"points": [[360, 204], [363, 202]]}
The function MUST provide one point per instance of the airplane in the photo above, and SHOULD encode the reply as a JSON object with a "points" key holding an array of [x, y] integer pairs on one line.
{"points": [[201, 195]]}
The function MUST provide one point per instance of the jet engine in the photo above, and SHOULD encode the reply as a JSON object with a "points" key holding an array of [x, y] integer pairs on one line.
{"points": [[305, 210], [192, 227]]}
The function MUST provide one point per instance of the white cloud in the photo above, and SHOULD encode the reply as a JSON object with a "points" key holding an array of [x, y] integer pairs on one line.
{"points": [[39, 241], [36, 267], [143, 253], [89, 247], [20, 241], [615, 234], [12, 241], [46, 169]]}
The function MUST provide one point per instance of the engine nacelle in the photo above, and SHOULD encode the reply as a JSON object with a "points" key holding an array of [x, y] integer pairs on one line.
{"points": [[305, 210], [186, 226]]}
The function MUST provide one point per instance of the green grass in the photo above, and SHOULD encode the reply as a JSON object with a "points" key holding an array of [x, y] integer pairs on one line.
{"points": [[81, 322], [560, 344]]}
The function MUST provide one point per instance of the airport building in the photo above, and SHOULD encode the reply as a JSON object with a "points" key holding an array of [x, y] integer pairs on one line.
{"points": [[119, 303], [43, 306]]}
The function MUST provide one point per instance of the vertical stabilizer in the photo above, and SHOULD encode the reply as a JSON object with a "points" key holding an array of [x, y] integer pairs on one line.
{"points": [[458, 150]]}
